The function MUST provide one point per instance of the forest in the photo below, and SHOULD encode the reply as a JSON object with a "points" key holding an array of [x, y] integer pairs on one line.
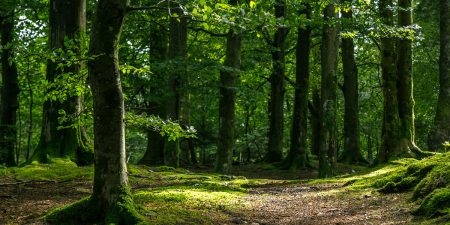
{"points": [[224, 112]]}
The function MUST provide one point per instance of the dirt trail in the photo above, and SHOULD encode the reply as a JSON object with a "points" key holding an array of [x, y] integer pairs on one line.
{"points": [[25, 203], [324, 204]]}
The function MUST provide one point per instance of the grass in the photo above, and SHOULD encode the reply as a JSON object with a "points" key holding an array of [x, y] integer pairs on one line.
{"points": [[169, 195]]}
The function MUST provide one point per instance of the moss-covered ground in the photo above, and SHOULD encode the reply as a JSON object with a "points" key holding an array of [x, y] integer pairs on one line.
{"points": [[256, 193]]}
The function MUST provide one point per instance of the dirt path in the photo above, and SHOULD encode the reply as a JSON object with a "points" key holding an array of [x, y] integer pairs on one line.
{"points": [[324, 204], [25, 203]]}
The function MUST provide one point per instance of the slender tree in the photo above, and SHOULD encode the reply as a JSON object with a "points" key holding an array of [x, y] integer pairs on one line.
{"points": [[328, 109], [405, 78], [297, 153], [154, 155], [352, 151], [276, 102], [177, 54], [440, 132], [67, 24], [228, 76], [10, 89]]}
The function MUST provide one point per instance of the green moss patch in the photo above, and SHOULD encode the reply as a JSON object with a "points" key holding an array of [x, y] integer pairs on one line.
{"points": [[428, 180]]}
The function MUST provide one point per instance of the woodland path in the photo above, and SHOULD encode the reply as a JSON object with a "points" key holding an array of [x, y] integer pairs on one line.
{"points": [[25, 203]]}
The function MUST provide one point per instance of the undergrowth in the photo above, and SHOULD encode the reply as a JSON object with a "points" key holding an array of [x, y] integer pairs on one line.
{"points": [[428, 180]]}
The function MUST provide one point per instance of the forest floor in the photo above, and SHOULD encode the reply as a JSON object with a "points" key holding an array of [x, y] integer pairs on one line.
{"points": [[275, 199]]}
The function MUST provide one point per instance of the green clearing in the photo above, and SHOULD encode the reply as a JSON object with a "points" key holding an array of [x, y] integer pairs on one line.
{"points": [[167, 195]]}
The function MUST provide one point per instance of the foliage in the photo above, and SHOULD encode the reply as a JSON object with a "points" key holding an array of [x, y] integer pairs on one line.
{"points": [[167, 128]]}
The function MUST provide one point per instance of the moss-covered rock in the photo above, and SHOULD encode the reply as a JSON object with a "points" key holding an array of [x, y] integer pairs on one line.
{"points": [[437, 203]]}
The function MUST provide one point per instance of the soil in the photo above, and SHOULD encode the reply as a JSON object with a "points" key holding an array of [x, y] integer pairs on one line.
{"points": [[283, 203]]}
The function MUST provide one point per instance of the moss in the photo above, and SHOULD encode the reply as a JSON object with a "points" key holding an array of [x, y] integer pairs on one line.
{"points": [[86, 211], [435, 204], [57, 170]]}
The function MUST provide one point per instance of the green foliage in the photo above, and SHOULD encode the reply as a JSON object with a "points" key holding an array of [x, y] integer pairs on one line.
{"points": [[167, 128]]}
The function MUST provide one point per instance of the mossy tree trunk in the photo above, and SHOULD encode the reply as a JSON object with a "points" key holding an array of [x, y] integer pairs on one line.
{"points": [[228, 76], [277, 82], [177, 55], [110, 188], [67, 22], [405, 78], [440, 132], [328, 106], [297, 153], [9, 92], [352, 151], [110, 202], [391, 129], [154, 154]]}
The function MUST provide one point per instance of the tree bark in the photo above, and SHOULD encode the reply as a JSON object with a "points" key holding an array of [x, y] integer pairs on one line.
{"points": [[228, 77], [9, 92], [177, 53], [67, 21], [154, 155], [297, 153], [352, 151], [276, 102], [328, 109], [440, 131], [391, 144], [405, 79], [111, 201]]}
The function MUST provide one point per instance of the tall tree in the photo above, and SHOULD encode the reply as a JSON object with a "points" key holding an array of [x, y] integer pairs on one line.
{"points": [[440, 131], [177, 55], [67, 25], [228, 76], [10, 89], [405, 77], [297, 153], [328, 109], [352, 151], [111, 201], [154, 155], [391, 144], [276, 102]]}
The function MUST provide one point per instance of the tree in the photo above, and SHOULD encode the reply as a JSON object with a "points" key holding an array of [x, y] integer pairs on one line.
{"points": [[158, 40], [276, 102], [297, 153], [228, 76], [10, 89], [111, 200], [328, 108], [352, 151], [68, 138], [177, 55], [440, 131], [405, 77]]}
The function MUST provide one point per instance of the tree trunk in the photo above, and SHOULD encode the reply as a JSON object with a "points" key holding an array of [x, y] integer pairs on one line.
{"points": [[440, 131], [154, 155], [67, 21], [315, 122], [9, 94], [297, 153], [276, 102], [177, 53], [352, 151], [228, 76], [405, 79], [328, 109], [391, 145], [110, 202]]}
